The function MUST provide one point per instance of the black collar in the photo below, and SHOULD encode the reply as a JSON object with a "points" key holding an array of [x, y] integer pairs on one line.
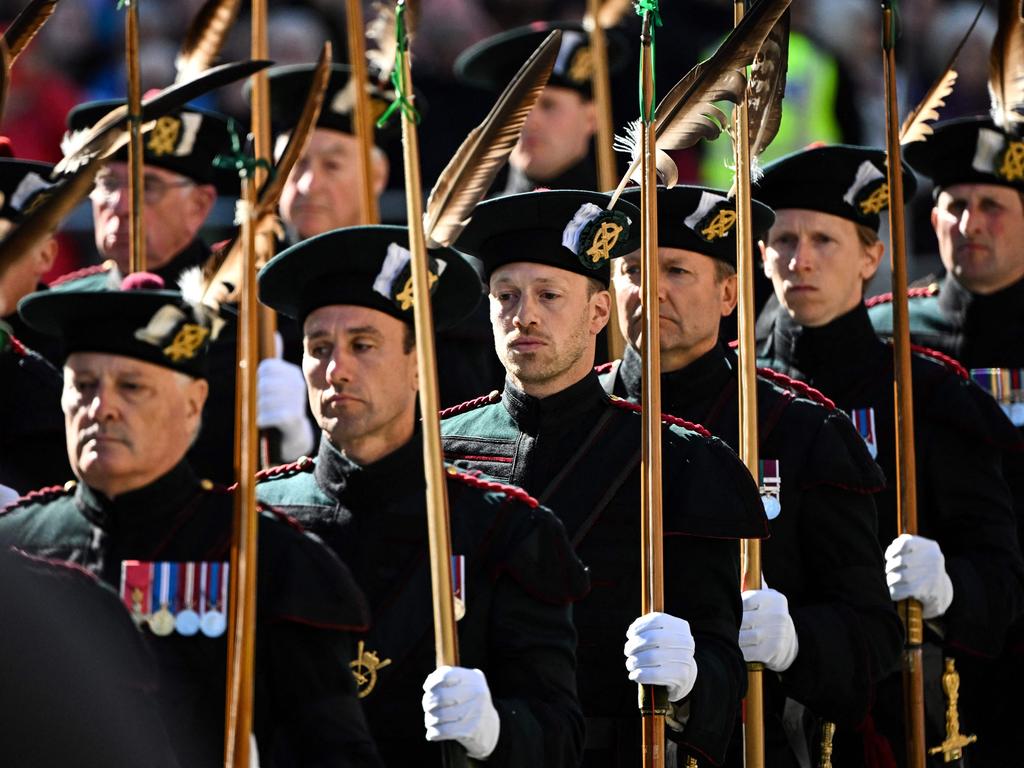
{"points": [[535, 415], [355, 485], [828, 354], [702, 378], [582, 175], [149, 508], [989, 310], [195, 254]]}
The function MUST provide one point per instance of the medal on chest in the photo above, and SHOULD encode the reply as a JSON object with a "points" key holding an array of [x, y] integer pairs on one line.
{"points": [[165, 575], [459, 585], [137, 589], [864, 420], [213, 592], [770, 484], [187, 621], [1006, 385]]}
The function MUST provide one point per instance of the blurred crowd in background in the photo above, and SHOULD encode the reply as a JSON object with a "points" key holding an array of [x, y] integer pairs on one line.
{"points": [[834, 88]]}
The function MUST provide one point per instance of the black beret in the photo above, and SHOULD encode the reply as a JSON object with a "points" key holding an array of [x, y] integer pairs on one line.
{"points": [[845, 181], [142, 321], [24, 184], [367, 267], [492, 63], [702, 219], [290, 84], [185, 141], [971, 150], [566, 228]]}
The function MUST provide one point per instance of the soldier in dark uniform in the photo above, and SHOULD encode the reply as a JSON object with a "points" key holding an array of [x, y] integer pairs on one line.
{"points": [[964, 565], [976, 311], [554, 150], [555, 432], [322, 193], [142, 521], [513, 701], [181, 184], [976, 314], [32, 452], [824, 623]]}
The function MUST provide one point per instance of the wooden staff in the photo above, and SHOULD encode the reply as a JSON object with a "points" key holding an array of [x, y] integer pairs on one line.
{"points": [[270, 439], [137, 239], [606, 176], [256, 327], [362, 118], [242, 628], [446, 641], [653, 699], [753, 712], [906, 509]]}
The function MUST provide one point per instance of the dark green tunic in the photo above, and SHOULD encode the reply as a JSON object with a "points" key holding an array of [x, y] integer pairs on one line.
{"points": [[964, 502], [579, 453], [823, 553], [306, 710], [521, 576]]}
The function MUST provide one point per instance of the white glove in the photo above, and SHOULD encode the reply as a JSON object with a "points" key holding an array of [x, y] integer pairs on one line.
{"points": [[915, 567], [457, 706], [281, 404], [767, 633], [659, 651]]}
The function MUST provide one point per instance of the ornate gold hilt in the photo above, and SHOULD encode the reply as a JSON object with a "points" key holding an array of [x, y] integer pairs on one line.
{"points": [[953, 747], [828, 732]]}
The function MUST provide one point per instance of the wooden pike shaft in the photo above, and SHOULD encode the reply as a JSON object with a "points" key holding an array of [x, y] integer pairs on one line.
{"points": [[653, 699], [261, 140], [446, 640], [242, 629], [363, 117], [906, 483], [606, 178], [601, 83], [137, 238], [753, 719]]}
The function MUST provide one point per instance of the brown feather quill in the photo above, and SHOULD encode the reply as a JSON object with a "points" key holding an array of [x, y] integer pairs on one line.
{"points": [[27, 24], [42, 221], [688, 113], [1006, 68], [766, 88], [471, 171], [916, 127], [381, 30], [223, 268], [205, 38]]}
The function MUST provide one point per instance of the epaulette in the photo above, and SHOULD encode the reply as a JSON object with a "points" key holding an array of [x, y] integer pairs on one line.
{"points": [[489, 399], [305, 464], [94, 269], [604, 367], [665, 417], [284, 517], [952, 363], [799, 387], [920, 292], [56, 564], [475, 480], [40, 496]]}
